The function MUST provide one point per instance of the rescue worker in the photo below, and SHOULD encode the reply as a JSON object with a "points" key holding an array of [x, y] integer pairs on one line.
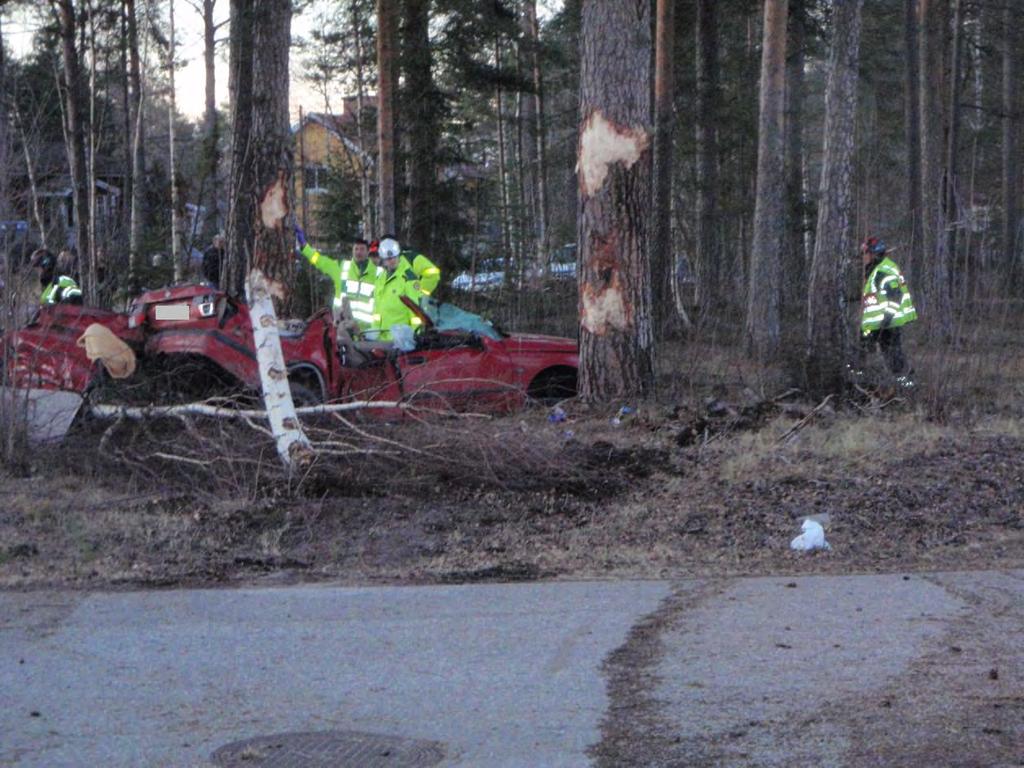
{"points": [[354, 279], [403, 274], [56, 287], [886, 307]]}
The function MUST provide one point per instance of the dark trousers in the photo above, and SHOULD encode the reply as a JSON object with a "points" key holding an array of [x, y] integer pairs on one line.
{"points": [[890, 341]]}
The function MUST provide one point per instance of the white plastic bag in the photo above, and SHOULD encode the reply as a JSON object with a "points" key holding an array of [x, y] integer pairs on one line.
{"points": [[403, 338], [813, 537]]}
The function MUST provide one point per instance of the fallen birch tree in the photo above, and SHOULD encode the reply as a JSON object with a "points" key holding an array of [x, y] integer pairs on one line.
{"points": [[260, 289], [106, 411]]}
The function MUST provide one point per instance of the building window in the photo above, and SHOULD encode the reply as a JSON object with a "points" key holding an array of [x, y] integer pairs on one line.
{"points": [[314, 178]]}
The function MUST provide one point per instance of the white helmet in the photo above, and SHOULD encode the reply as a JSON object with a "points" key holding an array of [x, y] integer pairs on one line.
{"points": [[389, 248]]}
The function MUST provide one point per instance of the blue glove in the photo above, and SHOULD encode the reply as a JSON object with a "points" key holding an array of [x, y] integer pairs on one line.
{"points": [[300, 237]]}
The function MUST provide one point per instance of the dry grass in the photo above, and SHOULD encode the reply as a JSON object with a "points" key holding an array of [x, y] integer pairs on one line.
{"points": [[710, 478]]}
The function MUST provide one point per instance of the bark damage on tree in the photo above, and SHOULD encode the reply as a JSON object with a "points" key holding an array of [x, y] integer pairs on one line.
{"points": [[604, 144], [614, 182], [603, 306], [261, 288]]}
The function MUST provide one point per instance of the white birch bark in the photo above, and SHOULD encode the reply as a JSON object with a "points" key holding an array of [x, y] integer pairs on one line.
{"points": [[260, 289]]}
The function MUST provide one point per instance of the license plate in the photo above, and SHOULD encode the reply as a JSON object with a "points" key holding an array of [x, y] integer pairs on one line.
{"points": [[172, 311]]}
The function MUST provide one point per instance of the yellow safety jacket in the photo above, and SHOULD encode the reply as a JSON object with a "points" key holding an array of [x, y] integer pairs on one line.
{"points": [[413, 278], [351, 280], [62, 288]]}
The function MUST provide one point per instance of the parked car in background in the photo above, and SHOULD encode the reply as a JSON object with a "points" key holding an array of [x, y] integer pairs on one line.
{"points": [[489, 276], [490, 273]]}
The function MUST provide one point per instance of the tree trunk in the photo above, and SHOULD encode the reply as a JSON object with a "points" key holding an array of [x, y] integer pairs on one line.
{"points": [[271, 277], [1011, 216], [74, 123], [126, 139], [176, 255], [30, 170], [936, 298], [707, 241], [614, 167], [506, 235], [365, 196], [386, 17], [662, 264], [420, 114], [953, 139], [762, 330], [794, 255], [270, 138], [241, 204], [138, 198], [5, 137], [538, 133], [912, 134], [212, 138], [526, 107], [828, 335], [89, 257], [271, 259]]}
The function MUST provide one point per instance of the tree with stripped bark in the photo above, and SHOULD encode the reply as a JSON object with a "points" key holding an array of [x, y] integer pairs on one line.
{"points": [[268, 165], [614, 178]]}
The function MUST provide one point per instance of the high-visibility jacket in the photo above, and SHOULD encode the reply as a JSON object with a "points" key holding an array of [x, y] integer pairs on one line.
{"points": [[389, 309], [61, 288], [421, 271], [415, 276], [351, 280], [886, 298]]}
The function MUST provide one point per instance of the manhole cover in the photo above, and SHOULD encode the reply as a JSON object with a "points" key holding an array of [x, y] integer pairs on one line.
{"points": [[329, 749]]}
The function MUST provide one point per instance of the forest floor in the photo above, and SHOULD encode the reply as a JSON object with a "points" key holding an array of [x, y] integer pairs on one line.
{"points": [[705, 488]]}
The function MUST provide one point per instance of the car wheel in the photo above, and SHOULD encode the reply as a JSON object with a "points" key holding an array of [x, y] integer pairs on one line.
{"points": [[303, 396], [553, 385]]}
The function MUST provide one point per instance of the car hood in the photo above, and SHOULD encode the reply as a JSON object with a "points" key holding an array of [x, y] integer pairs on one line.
{"points": [[535, 342]]}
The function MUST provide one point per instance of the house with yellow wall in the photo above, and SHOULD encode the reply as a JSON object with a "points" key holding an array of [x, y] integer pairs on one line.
{"points": [[324, 141]]}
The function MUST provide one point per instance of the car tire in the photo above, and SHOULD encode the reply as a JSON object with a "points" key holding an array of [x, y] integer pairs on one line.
{"points": [[303, 396]]}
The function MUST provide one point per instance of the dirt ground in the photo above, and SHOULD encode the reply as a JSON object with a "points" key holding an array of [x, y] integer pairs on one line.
{"points": [[703, 488]]}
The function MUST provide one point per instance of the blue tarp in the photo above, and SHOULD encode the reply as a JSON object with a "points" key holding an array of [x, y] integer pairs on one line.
{"points": [[448, 317]]}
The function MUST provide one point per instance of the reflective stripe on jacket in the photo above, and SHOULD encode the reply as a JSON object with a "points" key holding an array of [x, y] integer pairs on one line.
{"points": [[358, 285], [63, 288], [886, 298], [351, 282], [420, 270]]}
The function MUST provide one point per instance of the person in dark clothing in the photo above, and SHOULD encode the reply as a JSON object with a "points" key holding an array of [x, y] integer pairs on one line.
{"points": [[213, 257]]}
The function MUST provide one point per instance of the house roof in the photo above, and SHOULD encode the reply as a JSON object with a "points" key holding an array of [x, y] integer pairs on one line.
{"points": [[344, 124]]}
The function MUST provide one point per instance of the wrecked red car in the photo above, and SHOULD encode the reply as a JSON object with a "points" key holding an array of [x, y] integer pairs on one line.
{"points": [[200, 341]]}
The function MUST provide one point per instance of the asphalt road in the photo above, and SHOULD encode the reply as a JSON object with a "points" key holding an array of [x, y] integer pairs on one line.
{"points": [[856, 670]]}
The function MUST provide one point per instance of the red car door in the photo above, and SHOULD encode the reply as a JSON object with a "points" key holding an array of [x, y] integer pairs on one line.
{"points": [[459, 371]]}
